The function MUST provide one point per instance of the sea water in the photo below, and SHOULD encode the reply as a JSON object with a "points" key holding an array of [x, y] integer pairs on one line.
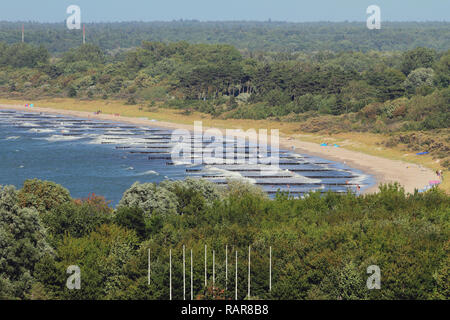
{"points": [[102, 157]]}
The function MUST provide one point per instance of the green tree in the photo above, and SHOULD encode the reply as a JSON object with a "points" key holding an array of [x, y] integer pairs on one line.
{"points": [[150, 198], [75, 219], [102, 257], [42, 195], [131, 218], [419, 78], [22, 244], [87, 52], [442, 69], [417, 58]]}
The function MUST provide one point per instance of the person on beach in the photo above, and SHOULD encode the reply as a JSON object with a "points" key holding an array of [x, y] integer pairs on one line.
{"points": [[441, 175], [347, 185]]}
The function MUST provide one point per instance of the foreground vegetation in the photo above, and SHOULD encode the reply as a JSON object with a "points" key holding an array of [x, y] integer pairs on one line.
{"points": [[322, 245]]}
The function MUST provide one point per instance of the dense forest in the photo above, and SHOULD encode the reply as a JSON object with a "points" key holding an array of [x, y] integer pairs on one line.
{"points": [[399, 92], [248, 36], [321, 245], [327, 77], [220, 80]]}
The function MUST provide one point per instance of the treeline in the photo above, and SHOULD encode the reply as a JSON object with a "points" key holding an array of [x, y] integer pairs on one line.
{"points": [[251, 36], [321, 245], [381, 92], [220, 80]]}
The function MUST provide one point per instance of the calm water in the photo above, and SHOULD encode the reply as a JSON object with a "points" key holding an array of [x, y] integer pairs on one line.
{"points": [[106, 158]]}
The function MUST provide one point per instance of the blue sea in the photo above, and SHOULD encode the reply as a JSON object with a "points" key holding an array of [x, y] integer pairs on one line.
{"points": [[102, 157]]}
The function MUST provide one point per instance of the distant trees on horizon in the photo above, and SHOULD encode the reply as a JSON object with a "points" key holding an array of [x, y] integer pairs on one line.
{"points": [[249, 36]]}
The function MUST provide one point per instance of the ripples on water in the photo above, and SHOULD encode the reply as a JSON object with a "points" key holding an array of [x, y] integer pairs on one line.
{"points": [[86, 155]]}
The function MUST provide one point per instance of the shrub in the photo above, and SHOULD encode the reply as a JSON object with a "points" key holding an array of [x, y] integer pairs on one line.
{"points": [[99, 203], [42, 195], [75, 218], [131, 218], [131, 100], [371, 111], [102, 256], [8, 198], [207, 189], [71, 92], [238, 188], [150, 198], [22, 244]]}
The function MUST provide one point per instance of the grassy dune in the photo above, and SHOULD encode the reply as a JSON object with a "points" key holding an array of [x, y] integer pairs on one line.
{"points": [[368, 143]]}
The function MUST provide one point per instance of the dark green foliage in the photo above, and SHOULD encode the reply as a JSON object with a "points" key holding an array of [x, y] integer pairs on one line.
{"points": [[131, 218], [75, 218], [321, 245], [22, 55], [42, 195], [22, 244], [220, 80], [388, 83], [335, 76], [101, 256], [88, 52], [442, 69], [72, 92], [417, 58]]}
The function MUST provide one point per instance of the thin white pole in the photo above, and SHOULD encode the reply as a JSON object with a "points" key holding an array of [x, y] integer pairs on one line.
{"points": [[248, 293], [170, 274], [235, 286], [149, 267], [206, 284], [270, 270], [184, 273], [84, 34], [214, 269], [192, 279], [226, 267]]}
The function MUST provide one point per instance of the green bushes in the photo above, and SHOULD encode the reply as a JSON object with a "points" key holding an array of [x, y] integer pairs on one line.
{"points": [[101, 255], [170, 197], [22, 244], [151, 198], [132, 219], [321, 245], [205, 188], [22, 55], [417, 58], [42, 195], [75, 219], [223, 82], [8, 198]]}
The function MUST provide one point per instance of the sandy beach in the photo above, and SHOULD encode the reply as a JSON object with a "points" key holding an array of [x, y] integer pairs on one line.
{"points": [[410, 176]]}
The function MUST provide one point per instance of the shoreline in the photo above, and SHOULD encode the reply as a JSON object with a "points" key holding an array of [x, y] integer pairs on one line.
{"points": [[410, 176]]}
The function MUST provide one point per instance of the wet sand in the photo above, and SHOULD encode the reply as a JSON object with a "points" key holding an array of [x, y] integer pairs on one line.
{"points": [[410, 176]]}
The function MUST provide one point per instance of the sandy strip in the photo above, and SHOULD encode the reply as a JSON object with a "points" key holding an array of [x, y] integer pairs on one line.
{"points": [[410, 176]]}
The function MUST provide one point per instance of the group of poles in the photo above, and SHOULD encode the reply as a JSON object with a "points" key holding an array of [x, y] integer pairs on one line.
{"points": [[213, 271]]}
